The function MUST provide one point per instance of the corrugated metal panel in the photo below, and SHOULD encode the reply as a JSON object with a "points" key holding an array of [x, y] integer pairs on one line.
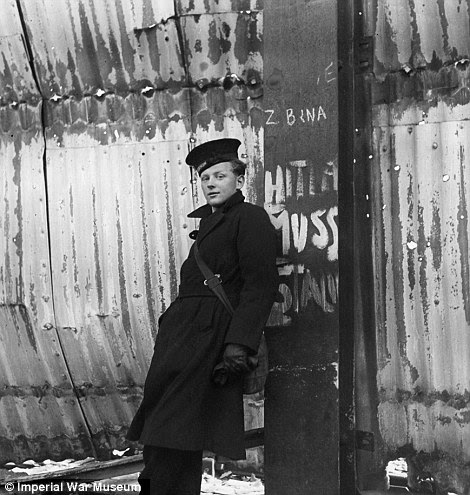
{"points": [[38, 412], [118, 199], [418, 34], [16, 79], [117, 187], [196, 7], [423, 284], [103, 46], [421, 186], [218, 45]]}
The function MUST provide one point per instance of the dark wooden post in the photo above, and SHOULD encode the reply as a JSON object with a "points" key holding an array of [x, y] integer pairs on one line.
{"points": [[301, 194]]}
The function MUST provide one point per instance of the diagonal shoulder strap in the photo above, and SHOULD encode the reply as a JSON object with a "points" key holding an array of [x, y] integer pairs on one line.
{"points": [[212, 281]]}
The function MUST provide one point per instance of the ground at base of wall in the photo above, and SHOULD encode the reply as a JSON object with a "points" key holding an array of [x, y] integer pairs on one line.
{"points": [[225, 484]]}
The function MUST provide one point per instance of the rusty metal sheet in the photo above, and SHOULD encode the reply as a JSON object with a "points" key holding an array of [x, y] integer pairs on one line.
{"points": [[100, 47], [217, 45], [410, 35], [197, 7], [16, 79], [38, 412], [421, 191], [118, 200]]}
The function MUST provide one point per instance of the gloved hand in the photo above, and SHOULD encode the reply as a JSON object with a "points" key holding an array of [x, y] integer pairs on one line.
{"points": [[235, 359]]}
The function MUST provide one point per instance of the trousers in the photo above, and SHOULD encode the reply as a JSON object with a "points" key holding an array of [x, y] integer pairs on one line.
{"points": [[171, 471]]}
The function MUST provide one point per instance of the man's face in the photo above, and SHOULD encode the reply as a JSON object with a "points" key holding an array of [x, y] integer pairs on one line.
{"points": [[219, 183]]}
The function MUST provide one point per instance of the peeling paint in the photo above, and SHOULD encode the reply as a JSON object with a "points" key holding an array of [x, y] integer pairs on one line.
{"points": [[462, 236]]}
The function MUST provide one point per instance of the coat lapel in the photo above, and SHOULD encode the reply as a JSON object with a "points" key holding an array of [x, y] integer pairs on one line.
{"points": [[210, 220]]}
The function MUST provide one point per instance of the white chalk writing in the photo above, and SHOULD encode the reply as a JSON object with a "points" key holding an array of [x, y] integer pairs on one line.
{"points": [[301, 289], [293, 116]]}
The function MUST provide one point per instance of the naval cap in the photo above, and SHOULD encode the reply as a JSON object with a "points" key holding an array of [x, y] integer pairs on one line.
{"points": [[212, 152]]}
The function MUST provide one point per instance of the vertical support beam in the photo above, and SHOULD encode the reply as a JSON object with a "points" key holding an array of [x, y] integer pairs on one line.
{"points": [[347, 252], [301, 194]]}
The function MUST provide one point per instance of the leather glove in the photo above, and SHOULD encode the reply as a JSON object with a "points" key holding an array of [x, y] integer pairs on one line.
{"points": [[235, 359]]}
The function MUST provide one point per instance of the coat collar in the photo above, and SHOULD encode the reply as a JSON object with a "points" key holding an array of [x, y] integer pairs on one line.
{"points": [[211, 220], [206, 210]]}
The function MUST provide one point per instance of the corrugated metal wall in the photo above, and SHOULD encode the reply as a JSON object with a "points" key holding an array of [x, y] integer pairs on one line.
{"points": [[420, 185], [93, 142]]}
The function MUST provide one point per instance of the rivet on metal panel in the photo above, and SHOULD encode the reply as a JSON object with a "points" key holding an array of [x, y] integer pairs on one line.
{"points": [[192, 139], [445, 178], [420, 258], [428, 244], [397, 168], [47, 326], [384, 206], [99, 93], [147, 91], [435, 146], [412, 245], [408, 70], [367, 197], [184, 191], [371, 156], [244, 155], [462, 63]]}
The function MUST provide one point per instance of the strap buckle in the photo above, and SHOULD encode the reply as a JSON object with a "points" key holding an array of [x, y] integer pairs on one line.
{"points": [[213, 281]]}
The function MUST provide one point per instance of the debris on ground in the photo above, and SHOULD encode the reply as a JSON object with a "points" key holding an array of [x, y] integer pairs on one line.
{"points": [[225, 484], [228, 484], [33, 468]]}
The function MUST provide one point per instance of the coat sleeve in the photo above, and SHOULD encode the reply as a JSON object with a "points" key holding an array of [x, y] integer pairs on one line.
{"points": [[256, 245]]}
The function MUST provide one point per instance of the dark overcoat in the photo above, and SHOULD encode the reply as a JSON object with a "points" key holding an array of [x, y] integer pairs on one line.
{"points": [[182, 408]]}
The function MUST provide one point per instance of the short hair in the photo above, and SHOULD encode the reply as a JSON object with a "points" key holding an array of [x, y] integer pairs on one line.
{"points": [[238, 167]]}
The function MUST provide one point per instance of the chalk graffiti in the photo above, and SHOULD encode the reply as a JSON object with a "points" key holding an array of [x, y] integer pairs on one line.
{"points": [[289, 181], [288, 200], [295, 229], [299, 288], [292, 116]]}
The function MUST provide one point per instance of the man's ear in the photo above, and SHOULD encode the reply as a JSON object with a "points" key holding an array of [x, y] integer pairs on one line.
{"points": [[240, 181]]}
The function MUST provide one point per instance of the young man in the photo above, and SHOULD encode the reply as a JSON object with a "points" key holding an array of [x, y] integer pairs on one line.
{"points": [[184, 410]]}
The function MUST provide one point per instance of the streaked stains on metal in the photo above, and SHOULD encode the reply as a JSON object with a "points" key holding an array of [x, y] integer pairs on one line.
{"points": [[131, 237], [218, 45], [34, 380], [420, 191], [419, 34], [196, 7], [124, 306], [117, 120], [462, 235], [102, 46], [16, 79]]}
